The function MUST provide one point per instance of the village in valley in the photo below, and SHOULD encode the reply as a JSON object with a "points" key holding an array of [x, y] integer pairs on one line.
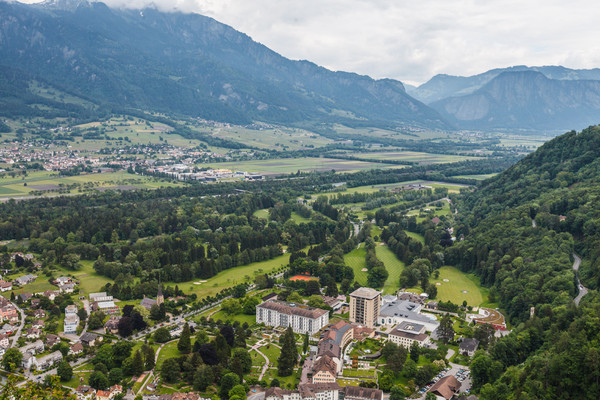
{"points": [[343, 338]]}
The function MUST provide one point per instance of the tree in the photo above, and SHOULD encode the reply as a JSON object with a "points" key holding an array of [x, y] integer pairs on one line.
{"points": [[96, 320], [125, 326], [98, 380], [289, 353], [64, 371], [222, 348], [484, 333], [445, 330], [162, 335], [227, 383], [138, 363], [104, 355], [312, 287], [82, 314], [424, 375], [51, 390], [184, 345], [316, 301], [71, 262], [410, 368], [430, 396], [275, 383], [415, 351], [203, 378], [239, 391], [12, 359], [209, 354], [294, 297], [115, 376], [148, 357], [244, 358], [397, 393], [155, 314], [170, 370], [239, 291], [377, 276], [305, 343]]}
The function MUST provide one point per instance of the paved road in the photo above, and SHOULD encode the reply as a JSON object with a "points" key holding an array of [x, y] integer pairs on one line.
{"points": [[582, 289], [21, 325]]}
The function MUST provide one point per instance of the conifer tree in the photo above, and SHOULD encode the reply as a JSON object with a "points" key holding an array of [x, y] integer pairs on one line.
{"points": [[289, 354], [185, 345]]}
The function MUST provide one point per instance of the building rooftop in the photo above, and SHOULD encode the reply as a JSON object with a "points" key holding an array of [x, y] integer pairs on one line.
{"points": [[365, 293], [410, 327], [362, 393], [291, 308], [469, 344], [446, 387]]}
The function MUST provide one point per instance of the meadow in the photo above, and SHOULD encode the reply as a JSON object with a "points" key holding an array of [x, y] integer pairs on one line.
{"points": [[413, 156], [291, 165]]}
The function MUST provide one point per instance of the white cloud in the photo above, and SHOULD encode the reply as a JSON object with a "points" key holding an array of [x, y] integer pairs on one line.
{"points": [[412, 40]]}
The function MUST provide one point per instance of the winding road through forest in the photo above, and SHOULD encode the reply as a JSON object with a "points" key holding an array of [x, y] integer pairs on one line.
{"points": [[582, 289]]}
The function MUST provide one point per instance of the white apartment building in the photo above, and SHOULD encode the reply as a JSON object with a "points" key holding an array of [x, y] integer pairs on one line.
{"points": [[301, 318]]}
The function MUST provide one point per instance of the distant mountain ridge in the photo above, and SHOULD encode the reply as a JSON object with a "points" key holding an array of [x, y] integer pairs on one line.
{"points": [[192, 65], [442, 86], [525, 100]]}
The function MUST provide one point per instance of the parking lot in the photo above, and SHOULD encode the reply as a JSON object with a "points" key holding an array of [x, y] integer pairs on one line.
{"points": [[460, 372]]}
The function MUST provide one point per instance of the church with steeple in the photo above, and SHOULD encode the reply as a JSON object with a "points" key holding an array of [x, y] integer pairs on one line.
{"points": [[147, 302]]}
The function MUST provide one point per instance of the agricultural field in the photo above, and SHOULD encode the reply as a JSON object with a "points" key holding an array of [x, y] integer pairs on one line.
{"points": [[231, 277], [291, 165], [413, 156], [51, 183], [481, 177], [273, 138], [393, 266]]}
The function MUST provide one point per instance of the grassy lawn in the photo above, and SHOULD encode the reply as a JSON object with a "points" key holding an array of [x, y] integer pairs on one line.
{"points": [[415, 236], [169, 350], [393, 266], [250, 319], [264, 213], [299, 219], [232, 277], [272, 353], [356, 260], [457, 283], [41, 284], [89, 280]]}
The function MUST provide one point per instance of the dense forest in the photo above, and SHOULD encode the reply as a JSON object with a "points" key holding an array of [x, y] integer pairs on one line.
{"points": [[521, 229]]}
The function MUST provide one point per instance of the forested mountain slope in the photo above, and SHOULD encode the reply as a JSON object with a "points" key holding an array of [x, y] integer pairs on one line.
{"points": [[554, 354], [192, 65]]}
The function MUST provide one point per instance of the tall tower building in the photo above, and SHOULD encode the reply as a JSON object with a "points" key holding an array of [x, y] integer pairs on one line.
{"points": [[364, 306]]}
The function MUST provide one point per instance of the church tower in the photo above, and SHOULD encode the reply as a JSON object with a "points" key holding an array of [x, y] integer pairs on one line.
{"points": [[159, 296]]}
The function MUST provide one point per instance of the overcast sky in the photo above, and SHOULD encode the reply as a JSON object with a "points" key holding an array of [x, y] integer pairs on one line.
{"points": [[412, 40]]}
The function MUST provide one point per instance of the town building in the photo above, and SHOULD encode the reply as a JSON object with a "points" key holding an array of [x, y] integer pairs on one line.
{"points": [[324, 391], [468, 347], [112, 325], [76, 349], [399, 311], [300, 318], [71, 323], [364, 306], [71, 309], [90, 339], [5, 286], [101, 296], [107, 307], [25, 279], [49, 360], [447, 387], [406, 333]]}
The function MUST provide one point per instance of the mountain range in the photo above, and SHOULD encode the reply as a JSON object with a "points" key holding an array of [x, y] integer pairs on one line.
{"points": [[192, 65], [520, 97]]}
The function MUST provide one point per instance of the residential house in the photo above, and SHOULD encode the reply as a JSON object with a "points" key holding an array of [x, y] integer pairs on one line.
{"points": [[447, 387], [33, 333], [35, 303], [39, 324], [112, 325], [9, 313], [51, 294], [324, 370], [25, 279], [4, 341], [67, 288], [468, 347], [90, 339], [76, 349], [39, 314], [3, 350], [85, 392], [49, 360], [51, 340], [62, 280], [25, 296], [8, 329], [5, 286]]}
